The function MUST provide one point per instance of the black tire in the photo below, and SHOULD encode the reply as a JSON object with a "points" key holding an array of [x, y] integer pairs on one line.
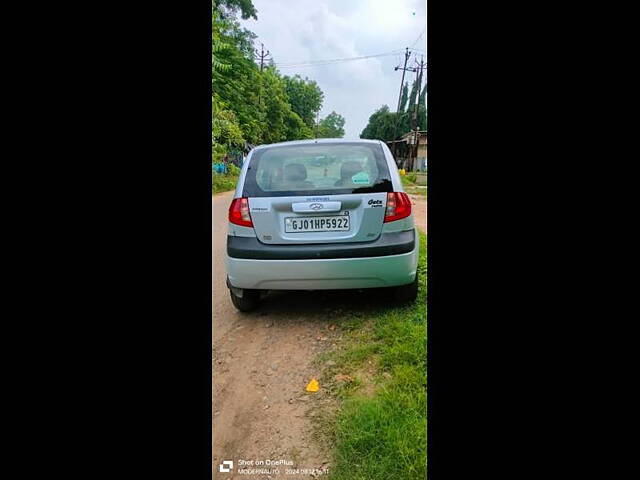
{"points": [[406, 293], [249, 301]]}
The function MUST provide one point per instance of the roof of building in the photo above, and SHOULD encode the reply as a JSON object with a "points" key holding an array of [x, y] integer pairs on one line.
{"points": [[420, 132], [405, 137]]}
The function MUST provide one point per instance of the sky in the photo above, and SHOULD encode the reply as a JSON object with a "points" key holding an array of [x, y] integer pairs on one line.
{"points": [[309, 30]]}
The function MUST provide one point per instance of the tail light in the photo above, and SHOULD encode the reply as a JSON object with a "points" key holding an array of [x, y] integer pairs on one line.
{"points": [[239, 212], [398, 206]]}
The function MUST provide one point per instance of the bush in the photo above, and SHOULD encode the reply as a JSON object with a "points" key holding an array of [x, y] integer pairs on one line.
{"points": [[408, 180], [223, 182]]}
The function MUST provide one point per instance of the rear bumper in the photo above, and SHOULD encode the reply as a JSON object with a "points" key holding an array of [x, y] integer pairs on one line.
{"points": [[386, 244], [323, 273]]}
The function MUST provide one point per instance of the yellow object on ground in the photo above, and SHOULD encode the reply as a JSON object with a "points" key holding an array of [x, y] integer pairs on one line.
{"points": [[313, 386], [402, 171]]}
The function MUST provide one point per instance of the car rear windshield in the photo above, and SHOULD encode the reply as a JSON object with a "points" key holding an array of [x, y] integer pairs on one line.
{"points": [[317, 169]]}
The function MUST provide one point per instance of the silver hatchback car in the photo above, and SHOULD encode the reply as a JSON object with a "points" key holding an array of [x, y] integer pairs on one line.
{"points": [[320, 215]]}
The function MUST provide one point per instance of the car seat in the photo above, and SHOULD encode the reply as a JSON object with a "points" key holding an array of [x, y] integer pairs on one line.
{"points": [[348, 170], [295, 176]]}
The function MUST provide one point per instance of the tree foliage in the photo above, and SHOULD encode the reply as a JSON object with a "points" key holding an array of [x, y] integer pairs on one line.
{"points": [[404, 97], [305, 97], [412, 96], [250, 105], [226, 130], [231, 7], [422, 110], [240, 87], [218, 45], [381, 124], [332, 126]]}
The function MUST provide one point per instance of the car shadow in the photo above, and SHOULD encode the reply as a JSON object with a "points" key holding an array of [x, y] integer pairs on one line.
{"points": [[327, 302]]}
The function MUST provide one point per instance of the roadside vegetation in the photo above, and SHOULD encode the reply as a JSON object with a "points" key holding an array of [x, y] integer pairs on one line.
{"points": [[410, 185], [378, 377], [254, 104], [383, 123], [223, 182]]}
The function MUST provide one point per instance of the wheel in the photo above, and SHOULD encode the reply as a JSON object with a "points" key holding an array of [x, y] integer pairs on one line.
{"points": [[249, 301], [407, 293]]}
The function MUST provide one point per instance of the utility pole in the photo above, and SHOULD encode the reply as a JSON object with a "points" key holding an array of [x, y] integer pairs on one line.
{"points": [[404, 69], [317, 122], [262, 56], [415, 125]]}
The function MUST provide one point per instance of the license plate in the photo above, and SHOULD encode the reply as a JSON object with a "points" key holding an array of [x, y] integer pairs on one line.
{"points": [[334, 223]]}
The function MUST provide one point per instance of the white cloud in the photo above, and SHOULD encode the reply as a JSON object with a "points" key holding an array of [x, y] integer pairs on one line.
{"points": [[304, 30]]}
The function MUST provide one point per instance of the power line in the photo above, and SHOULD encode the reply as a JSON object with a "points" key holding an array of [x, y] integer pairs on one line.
{"points": [[419, 37], [334, 60], [331, 62], [394, 52], [313, 63]]}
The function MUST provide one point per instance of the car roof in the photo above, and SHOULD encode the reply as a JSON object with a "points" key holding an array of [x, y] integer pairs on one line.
{"points": [[317, 141]]}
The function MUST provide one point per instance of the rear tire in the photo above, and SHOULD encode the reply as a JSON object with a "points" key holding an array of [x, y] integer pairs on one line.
{"points": [[249, 301], [407, 293]]}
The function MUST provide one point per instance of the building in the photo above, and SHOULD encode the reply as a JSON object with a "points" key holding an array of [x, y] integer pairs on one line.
{"points": [[407, 155]]}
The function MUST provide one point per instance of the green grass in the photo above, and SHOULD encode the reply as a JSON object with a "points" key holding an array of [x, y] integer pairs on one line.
{"points": [[408, 182], [224, 182], [379, 433], [410, 177]]}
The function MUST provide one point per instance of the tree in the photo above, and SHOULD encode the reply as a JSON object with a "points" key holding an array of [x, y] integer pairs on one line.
{"points": [[218, 45], [407, 109], [281, 122], [276, 108], [225, 129], [305, 97], [250, 105], [412, 97], [296, 129], [404, 97], [231, 7], [238, 86], [332, 126], [422, 110], [381, 125]]}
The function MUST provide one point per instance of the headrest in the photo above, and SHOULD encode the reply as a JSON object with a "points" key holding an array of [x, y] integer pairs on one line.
{"points": [[349, 169], [295, 172]]}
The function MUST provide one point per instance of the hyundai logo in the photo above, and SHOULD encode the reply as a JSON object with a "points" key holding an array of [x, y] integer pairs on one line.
{"points": [[316, 206]]}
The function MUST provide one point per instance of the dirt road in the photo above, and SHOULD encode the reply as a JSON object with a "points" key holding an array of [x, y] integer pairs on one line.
{"points": [[262, 362], [419, 210]]}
